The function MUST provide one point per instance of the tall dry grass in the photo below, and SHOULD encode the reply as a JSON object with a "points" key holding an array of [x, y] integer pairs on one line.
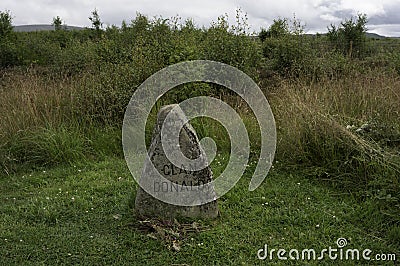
{"points": [[347, 130], [47, 120], [29, 100]]}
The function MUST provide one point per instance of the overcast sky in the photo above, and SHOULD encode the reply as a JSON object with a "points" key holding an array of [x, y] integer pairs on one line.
{"points": [[384, 15]]}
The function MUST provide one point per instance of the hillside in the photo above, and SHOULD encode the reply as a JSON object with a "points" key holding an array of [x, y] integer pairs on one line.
{"points": [[47, 27], [374, 35], [42, 27]]}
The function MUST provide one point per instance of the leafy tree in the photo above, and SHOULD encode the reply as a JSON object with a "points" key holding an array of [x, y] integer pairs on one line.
{"points": [[60, 36], [97, 25], [263, 34], [285, 46], [349, 38], [5, 24], [140, 24], [278, 29], [57, 23], [8, 50]]}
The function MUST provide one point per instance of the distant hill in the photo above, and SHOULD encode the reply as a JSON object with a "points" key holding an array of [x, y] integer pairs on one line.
{"points": [[47, 27], [42, 27], [368, 35], [374, 36]]}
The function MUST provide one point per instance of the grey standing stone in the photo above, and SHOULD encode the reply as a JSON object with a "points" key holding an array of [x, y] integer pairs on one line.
{"points": [[148, 206]]}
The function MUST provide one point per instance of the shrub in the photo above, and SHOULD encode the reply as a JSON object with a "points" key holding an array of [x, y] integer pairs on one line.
{"points": [[8, 52], [9, 55], [5, 24], [278, 29], [286, 49], [76, 58], [232, 45], [349, 38]]}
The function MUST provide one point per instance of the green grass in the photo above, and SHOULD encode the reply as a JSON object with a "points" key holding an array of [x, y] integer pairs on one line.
{"points": [[83, 215], [66, 198]]}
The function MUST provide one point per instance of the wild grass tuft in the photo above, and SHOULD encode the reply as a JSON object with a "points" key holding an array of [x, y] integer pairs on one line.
{"points": [[347, 130]]}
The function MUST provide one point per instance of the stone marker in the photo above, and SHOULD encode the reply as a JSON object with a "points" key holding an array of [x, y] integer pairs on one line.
{"points": [[148, 206]]}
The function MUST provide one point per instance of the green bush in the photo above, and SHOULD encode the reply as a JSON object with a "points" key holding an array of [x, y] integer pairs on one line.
{"points": [[233, 46], [278, 29], [5, 24], [75, 58], [286, 55], [349, 38], [9, 55]]}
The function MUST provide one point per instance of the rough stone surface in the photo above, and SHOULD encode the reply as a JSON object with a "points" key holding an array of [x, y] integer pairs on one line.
{"points": [[148, 206]]}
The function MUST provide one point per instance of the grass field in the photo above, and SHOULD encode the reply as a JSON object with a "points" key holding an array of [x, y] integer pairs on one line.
{"points": [[66, 195], [83, 215], [66, 199]]}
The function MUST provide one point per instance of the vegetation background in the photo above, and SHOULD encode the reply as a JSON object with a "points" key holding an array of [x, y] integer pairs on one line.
{"points": [[335, 97]]}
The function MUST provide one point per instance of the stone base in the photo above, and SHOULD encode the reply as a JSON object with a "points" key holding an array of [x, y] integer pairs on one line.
{"points": [[155, 208]]}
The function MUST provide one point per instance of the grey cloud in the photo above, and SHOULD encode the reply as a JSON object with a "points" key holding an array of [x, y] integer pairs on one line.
{"points": [[391, 16]]}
